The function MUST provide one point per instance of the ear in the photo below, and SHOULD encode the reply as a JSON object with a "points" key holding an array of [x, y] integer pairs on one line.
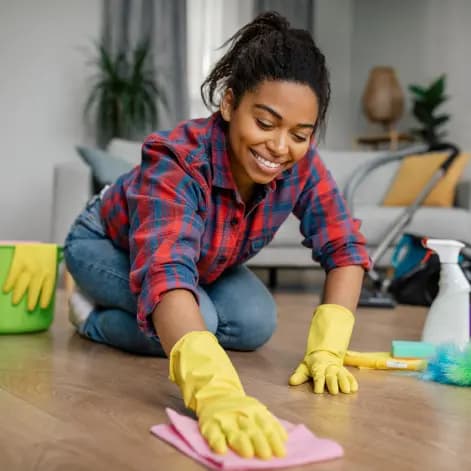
{"points": [[227, 104]]}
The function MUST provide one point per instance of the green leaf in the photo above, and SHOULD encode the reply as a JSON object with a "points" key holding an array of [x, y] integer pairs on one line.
{"points": [[417, 90], [422, 113], [124, 92], [435, 102], [440, 120], [438, 87]]}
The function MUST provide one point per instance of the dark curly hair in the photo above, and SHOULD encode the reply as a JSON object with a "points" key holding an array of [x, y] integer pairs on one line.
{"points": [[269, 49]]}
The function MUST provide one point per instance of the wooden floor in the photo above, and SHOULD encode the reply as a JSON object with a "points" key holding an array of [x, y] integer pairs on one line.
{"points": [[69, 404]]}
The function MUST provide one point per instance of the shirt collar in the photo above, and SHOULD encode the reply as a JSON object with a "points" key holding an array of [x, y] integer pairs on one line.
{"points": [[222, 175]]}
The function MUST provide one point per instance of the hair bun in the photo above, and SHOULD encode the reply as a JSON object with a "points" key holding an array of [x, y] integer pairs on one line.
{"points": [[272, 20]]}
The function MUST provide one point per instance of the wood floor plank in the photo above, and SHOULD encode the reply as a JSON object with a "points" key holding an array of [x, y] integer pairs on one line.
{"points": [[32, 439], [67, 403]]}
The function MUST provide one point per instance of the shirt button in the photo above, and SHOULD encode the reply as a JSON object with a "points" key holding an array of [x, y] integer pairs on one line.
{"points": [[234, 221]]}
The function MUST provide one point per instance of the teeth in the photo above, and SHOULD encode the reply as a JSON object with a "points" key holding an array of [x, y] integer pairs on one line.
{"points": [[265, 162]]}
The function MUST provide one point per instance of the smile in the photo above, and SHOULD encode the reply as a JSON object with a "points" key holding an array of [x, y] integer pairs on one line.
{"points": [[266, 163]]}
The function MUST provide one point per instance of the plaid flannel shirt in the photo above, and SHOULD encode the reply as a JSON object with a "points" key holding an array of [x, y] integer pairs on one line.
{"points": [[183, 222]]}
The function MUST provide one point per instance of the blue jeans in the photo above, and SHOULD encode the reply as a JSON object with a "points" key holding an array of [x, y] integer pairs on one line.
{"points": [[237, 307]]}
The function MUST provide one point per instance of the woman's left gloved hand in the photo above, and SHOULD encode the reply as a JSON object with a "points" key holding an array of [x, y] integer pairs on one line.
{"points": [[329, 336]]}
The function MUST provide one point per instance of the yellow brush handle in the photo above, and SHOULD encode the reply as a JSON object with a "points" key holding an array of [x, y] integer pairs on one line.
{"points": [[382, 361]]}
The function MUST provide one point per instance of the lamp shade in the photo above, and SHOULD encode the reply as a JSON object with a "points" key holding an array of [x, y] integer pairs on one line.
{"points": [[383, 99]]}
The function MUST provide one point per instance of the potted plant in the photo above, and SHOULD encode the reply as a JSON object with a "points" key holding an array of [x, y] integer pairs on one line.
{"points": [[426, 101], [124, 95]]}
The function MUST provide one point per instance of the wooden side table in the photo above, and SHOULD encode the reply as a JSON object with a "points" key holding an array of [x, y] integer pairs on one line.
{"points": [[390, 140]]}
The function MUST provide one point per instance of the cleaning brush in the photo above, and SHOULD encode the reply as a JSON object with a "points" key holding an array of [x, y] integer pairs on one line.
{"points": [[450, 365]]}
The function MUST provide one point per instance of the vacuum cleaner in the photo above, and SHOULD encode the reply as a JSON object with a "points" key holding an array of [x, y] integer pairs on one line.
{"points": [[375, 290]]}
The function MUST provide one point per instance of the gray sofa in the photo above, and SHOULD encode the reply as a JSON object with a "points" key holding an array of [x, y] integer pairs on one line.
{"points": [[72, 188], [435, 222]]}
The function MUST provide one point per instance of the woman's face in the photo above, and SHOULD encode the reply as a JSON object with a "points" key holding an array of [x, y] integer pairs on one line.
{"points": [[269, 131]]}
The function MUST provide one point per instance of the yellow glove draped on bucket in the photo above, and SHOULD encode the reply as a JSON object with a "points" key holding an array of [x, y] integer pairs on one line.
{"points": [[33, 269], [329, 336], [226, 415]]}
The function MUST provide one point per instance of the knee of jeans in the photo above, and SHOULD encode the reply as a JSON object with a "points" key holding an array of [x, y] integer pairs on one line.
{"points": [[69, 258], [254, 325], [211, 323], [120, 330], [208, 311], [74, 262], [73, 257]]}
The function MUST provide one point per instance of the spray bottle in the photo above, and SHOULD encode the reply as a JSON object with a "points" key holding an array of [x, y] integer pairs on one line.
{"points": [[448, 318]]}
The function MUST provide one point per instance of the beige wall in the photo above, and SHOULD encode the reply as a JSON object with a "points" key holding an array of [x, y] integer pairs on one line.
{"points": [[42, 90], [333, 30], [421, 39]]}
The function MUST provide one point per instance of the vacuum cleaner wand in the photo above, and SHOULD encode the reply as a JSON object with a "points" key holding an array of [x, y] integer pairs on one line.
{"points": [[398, 225]]}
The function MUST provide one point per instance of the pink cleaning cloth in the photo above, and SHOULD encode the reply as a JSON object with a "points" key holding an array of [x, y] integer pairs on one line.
{"points": [[302, 446]]}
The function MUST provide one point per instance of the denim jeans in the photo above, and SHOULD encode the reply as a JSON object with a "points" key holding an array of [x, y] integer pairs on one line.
{"points": [[237, 307]]}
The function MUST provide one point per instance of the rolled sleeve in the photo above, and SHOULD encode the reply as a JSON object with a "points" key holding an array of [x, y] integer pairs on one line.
{"points": [[326, 223], [165, 230], [156, 283]]}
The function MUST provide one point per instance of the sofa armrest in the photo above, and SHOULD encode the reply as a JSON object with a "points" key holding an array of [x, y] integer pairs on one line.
{"points": [[463, 194], [72, 188]]}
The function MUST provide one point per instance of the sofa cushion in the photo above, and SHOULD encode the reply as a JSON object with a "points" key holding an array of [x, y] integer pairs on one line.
{"points": [[416, 171], [105, 167], [127, 150], [343, 164], [439, 223]]}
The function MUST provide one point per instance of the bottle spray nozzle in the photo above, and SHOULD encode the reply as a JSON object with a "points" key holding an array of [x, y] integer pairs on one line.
{"points": [[448, 317], [448, 250]]}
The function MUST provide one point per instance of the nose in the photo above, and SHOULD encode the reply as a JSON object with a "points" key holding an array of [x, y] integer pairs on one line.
{"points": [[278, 144]]}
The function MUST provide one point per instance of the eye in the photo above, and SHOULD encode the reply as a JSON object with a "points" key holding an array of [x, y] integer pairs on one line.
{"points": [[299, 138], [263, 124]]}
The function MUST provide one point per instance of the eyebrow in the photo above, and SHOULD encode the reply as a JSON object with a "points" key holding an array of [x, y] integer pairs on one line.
{"points": [[278, 115]]}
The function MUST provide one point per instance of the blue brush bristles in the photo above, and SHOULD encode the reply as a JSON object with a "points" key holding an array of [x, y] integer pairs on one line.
{"points": [[450, 365]]}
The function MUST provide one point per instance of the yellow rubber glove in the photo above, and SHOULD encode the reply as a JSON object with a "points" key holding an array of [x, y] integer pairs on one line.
{"points": [[227, 417], [329, 336], [33, 269]]}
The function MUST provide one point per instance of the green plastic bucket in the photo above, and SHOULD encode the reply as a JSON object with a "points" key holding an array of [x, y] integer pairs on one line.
{"points": [[17, 319]]}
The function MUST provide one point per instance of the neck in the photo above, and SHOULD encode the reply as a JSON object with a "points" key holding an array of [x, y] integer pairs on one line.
{"points": [[247, 194], [244, 185]]}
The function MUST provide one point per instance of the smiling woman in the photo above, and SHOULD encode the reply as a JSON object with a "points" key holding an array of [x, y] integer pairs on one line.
{"points": [[159, 255], [269, 131]]}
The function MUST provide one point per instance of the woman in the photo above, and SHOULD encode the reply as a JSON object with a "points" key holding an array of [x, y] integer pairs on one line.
{"points": [[168, 240]]}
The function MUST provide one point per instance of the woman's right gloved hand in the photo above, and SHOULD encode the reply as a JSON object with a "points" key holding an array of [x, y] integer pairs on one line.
{"points": [[227, 417]]}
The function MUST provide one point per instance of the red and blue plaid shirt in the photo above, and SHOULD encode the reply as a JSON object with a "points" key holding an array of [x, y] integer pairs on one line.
{"points": [[183, 222]]}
